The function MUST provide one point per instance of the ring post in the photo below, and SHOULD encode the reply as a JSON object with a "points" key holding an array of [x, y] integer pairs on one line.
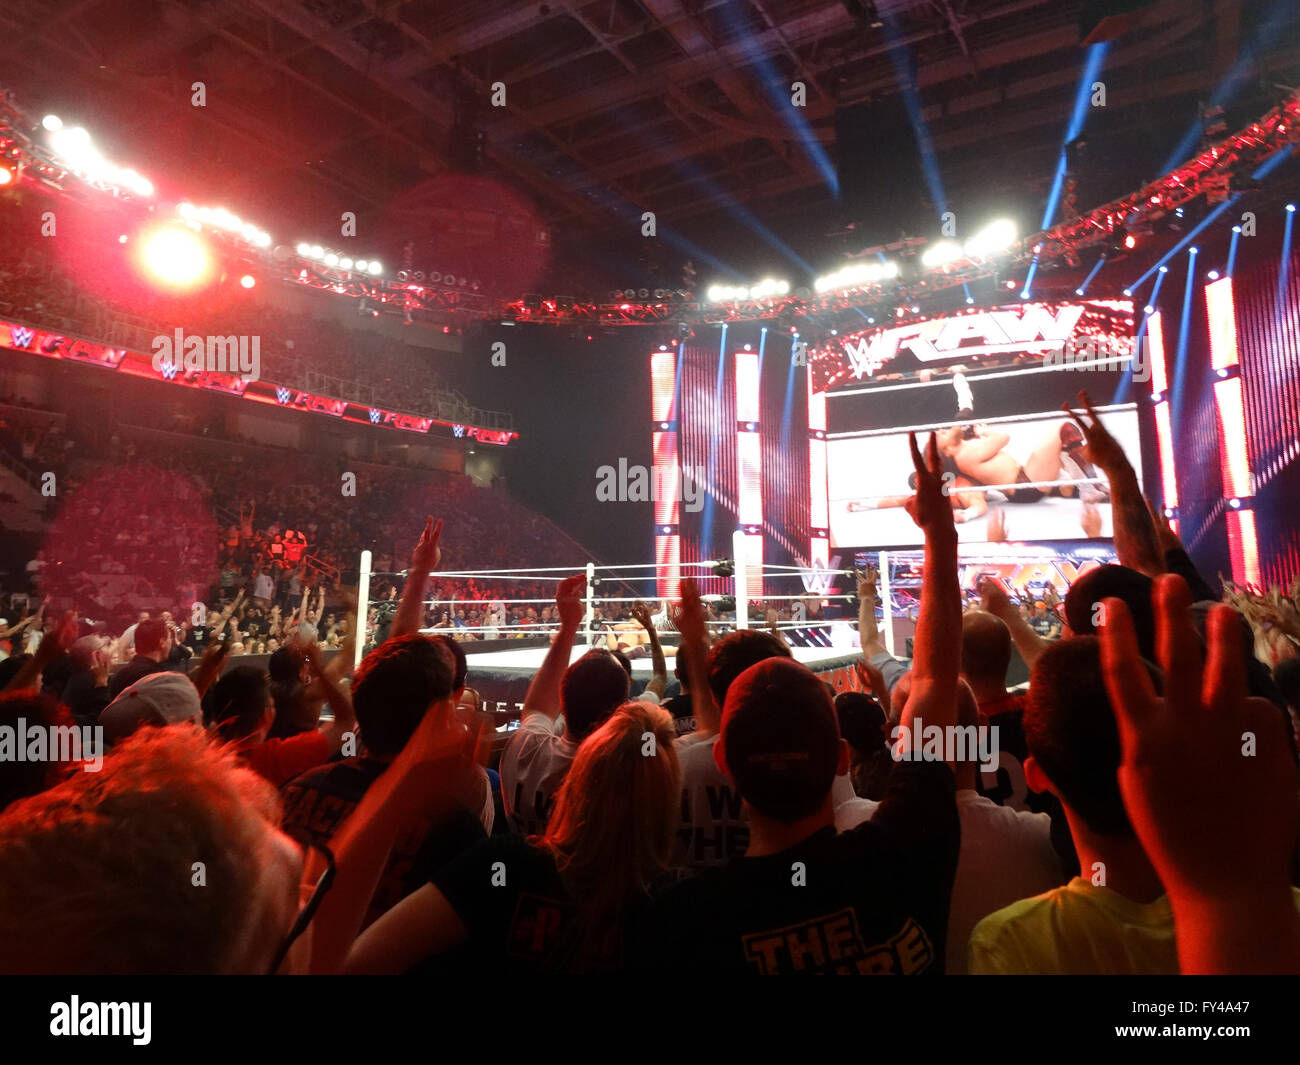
{"points": [[591, 577], [886, 604], [363, 609], [741, 577]]}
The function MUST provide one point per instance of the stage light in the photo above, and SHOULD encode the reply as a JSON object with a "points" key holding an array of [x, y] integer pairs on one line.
{"points": [[331, 259], [1236, 229], [317, 252], [1128, 292], [122, 238], [1235, 504], [1164, 269], [1213, 275], [7, 175], [304, 250], [1010, 285], [176, 257], [345, 263], [1130, 241], [856, 276], [995, 237], [835, 332], [1193, 250], [1222, 371], [375, 268], [53, 123], [1024, 293], [1290, 208], [971, 299], [871, 321], [1148, 309], [363, 266], [1077, 292], [945, 251], [248, 281]]}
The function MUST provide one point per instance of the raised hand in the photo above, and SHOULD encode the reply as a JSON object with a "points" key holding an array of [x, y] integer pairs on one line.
{"points": [[1091, 521], [569, 600], [867, 583], [641, 615], [690, 618], [1210, 844], [997, 525], [993, 597], [1101, 448], [929, 507], [427, 554]]}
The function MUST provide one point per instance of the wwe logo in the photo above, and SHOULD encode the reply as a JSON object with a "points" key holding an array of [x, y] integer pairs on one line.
{"points": [[375, 416], [169, 371], [817, 581], [22, 337], [282, 394], [458, 430]]}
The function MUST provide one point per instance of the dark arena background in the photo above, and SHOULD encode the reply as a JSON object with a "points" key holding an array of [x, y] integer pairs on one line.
{"points": [[443, 446]]}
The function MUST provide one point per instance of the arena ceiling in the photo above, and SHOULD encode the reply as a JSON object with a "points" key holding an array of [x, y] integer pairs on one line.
{"points": [[615, 107]]}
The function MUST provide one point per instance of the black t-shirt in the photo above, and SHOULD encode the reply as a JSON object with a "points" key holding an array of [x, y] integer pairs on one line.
{"points": [[871, 900], [317, 802], [511, 898], [683, 713]]}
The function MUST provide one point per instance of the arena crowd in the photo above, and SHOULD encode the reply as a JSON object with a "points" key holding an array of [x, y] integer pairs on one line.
{"points": [[1134, 811]]}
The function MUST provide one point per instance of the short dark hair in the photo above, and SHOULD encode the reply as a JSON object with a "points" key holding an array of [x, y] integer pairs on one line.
{"points": [[735, 653], [458, 657], [591, 689], [395, 685], [1071, 733], [985, 647], [239, 701], [1286, 674], [862, 721], [149, 635]]}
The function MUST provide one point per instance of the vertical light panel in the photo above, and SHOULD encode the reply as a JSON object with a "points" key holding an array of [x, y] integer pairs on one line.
{"points": [[667, 474], [818, 489], [749, 466], [1155, 341], [1230, 410]]}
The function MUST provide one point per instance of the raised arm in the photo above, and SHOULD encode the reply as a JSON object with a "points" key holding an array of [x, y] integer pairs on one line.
{"points": [[659, 683], [1223, 853], [1136, 543], [868, 630], [993, 598], [544, 693], [691, 621], [424, 560], [983, 448], [339, 702], [937, 643]]}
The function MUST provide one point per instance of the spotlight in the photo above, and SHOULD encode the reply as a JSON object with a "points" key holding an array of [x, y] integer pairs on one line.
{"points": [[1164, 269], [995, 237], [1235, 504], [7, 175], [1128, 292], [176, 258], [316, 252], [971, 299], [1077, 292], [1213, 275], [1024, 294], [1010, 285], [362, 265], [1290, 207], [331, 259], [1148, 309], [304, 250], [1236, 229], [345, 263], [1130, 241], [375, 268], [248, 281], [1221, 372], [53, 123], [945, 251], [1193, 250]]}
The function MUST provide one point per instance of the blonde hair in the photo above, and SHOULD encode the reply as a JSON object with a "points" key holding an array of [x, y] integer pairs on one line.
{"points": [[98, 875], [615, 818]]}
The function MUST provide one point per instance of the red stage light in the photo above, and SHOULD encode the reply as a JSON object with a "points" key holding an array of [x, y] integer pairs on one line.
{"points": [[176, 257], [248, 281], [7, 176], [1130, 241]]}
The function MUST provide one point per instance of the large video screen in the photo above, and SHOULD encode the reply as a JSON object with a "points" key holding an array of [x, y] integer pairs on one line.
{"points": [[1018, 478], [990, 382]]}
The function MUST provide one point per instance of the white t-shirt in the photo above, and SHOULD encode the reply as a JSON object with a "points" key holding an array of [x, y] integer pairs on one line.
{"points": [[850, 810], [264, 587], [533, 766], [1006, 855], [715, 823]]}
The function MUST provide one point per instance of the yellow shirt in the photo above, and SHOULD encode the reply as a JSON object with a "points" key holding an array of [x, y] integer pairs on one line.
{"points": [[1078, 928]]}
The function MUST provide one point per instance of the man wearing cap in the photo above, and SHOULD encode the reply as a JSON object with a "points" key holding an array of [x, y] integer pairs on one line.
{"points": [[805, 899], [157, 699]]}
